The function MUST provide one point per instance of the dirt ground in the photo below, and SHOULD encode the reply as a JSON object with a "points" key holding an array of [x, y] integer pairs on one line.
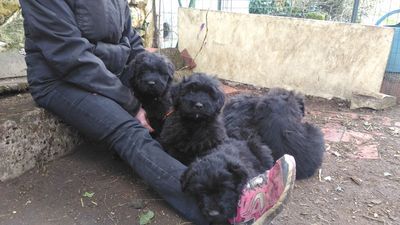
{"points": [[359, 181]]}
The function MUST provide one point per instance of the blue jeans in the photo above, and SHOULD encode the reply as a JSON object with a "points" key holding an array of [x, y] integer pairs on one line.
{"points": [[103, 120]]}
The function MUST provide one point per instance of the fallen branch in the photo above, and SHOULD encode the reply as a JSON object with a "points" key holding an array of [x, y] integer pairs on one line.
{"points": [[204, 39]]}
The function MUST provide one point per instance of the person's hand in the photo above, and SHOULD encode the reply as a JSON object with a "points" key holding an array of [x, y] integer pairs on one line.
{"points": [[142, 117]]}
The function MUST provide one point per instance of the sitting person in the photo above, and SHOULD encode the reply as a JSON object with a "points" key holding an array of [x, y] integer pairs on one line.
{"points": [[76, 52]]}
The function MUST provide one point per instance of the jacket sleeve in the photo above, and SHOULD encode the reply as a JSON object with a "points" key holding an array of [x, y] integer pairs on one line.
{"points": [[52, 27], [114, 56]]}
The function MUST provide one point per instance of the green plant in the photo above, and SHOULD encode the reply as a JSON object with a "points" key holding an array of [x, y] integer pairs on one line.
{"points": [[311, 9], [316, 15], [261, 6], [271, 7]]}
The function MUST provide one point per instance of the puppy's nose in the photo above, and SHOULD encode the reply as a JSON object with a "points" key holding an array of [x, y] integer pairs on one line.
{"points": [[213, 213], [199, 105], [151, 82]]}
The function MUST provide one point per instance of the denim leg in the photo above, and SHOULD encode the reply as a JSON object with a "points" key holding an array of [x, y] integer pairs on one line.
{"points": [[104, 120]]}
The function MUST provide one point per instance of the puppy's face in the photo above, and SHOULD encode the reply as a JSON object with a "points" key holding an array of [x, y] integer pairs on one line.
{"points": [[198, 97], [216, 184], [281, 102], [152, 74]]}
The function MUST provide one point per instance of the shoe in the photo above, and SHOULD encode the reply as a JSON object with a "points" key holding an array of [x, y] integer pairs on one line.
{"points": [[264, 196]]}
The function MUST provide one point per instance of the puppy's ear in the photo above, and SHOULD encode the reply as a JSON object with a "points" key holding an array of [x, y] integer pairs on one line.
{"points": [[170, 68], [220, 98], [175, 93], [296, 102], [239, 172], [300, 101], [139, 61], [185, 179], [131, 71], [218, 93], [135, 67]]}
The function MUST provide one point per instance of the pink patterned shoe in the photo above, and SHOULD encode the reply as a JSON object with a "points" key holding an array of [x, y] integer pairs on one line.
{"points": [[264, 196]]}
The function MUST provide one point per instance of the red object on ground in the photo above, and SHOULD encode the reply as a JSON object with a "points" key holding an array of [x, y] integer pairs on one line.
{"points": [[189, 62], [229, 90]]}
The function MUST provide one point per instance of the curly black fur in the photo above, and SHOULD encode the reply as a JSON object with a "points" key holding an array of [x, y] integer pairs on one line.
{"points": [[238, 116], [217, 179], [195, 131], [276, 118], [152, 76], [195, 126]]}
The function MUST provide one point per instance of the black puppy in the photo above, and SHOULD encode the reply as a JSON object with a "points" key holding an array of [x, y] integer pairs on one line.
{"points": [[238, 115], [276, 118], [217, 179], [151, 79], [239, 112], [195, 126]]}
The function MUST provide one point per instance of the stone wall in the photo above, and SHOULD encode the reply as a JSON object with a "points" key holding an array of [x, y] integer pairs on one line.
{"points": [[30, 136], [320, 58]]}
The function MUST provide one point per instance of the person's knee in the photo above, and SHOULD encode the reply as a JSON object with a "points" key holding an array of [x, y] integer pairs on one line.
{"points": [[127, 134]]}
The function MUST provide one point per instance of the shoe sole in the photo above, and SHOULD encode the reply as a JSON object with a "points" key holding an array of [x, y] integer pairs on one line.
{"points": [[268, 216]]}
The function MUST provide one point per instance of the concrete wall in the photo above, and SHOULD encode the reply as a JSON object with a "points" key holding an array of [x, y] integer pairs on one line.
{"points": [[320, 58]]}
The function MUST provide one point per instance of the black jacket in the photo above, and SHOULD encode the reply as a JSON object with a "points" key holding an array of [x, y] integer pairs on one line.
{"points": [[83, 42]]}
